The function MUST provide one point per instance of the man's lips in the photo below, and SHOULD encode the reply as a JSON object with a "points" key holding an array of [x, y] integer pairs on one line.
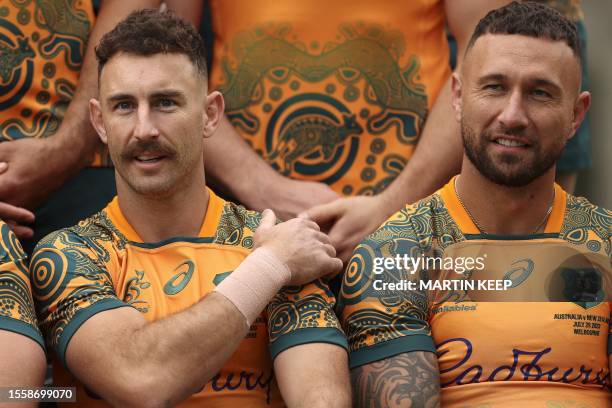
{"points": [[149, 158], [511, 141]]}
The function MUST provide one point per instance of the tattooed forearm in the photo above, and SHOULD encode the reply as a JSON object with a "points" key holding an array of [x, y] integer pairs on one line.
{"points": [[406, 380]]}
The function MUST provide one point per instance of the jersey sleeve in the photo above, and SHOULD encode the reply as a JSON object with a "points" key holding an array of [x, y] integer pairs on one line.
{"points": [[382, 321], [301, 315], [71, 283], [16, 307]]}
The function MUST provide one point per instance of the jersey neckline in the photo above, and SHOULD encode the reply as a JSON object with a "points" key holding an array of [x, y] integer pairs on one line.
{"points": [[468, 228], [207, 229]]}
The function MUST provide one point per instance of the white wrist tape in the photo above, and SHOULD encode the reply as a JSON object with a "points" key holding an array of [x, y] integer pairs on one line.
{"points": [[252, 285]]}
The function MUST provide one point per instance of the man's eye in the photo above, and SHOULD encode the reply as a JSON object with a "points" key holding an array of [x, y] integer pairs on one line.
{"points": [[540, 93], [166, 103], [123, 106], [493, 87]]}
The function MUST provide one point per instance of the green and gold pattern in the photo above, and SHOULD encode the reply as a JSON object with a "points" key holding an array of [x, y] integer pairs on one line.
{"points": [[16, 305], [337, 112], [42, 44]]}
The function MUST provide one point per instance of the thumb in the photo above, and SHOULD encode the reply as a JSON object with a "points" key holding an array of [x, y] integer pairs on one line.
{"points": [[324, 213], [268, 219]]}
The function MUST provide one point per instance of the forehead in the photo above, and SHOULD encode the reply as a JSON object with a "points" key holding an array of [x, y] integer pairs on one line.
{"points": [[129, 73], [522, 56]]}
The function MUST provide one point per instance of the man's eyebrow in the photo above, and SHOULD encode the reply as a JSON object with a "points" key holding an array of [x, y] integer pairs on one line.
{"points": [[168, 93], [546, 83], [492, 77], [118, 97]]}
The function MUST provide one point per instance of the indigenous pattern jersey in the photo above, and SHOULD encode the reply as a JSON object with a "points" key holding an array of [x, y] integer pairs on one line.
{"points": [[102, 264], [16, 306], [492, 352], [42, 44], [335, 92]]}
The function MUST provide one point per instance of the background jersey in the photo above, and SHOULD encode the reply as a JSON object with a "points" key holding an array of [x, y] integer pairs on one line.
{"points": [[42, 44], [335, 92], [16, 306], [102, 264], [490, 353]]}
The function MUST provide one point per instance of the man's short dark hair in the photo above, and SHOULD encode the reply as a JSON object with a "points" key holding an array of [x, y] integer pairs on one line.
{"points": [[529, 19], [150, 32]]}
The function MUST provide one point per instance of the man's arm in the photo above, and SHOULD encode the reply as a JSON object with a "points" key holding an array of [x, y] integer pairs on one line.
{"points": [[22, 364], [130, 362], [227, 155], [314, 375], [436, 159], [406, 380]]}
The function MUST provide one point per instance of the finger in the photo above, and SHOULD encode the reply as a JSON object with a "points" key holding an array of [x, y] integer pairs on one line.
{"points": [[325, 212], [268, 219], [3, 167], [20, 231], [335, 266], [345, 254], [11, 212], [322, 237], [313, 225], [330, 250]]}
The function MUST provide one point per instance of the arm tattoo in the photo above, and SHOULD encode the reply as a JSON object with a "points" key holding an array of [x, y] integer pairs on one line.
{"points": [[406, 380]]}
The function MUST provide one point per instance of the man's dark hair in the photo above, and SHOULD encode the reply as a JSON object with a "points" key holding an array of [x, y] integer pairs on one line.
{"points": [[529, 19], [150, 32]]}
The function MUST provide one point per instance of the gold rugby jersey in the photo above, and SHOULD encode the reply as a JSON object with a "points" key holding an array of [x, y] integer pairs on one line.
{"points": [[495, 351], [102, 264]]}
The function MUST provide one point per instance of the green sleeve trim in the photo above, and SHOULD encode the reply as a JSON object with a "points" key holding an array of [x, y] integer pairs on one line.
{"points": [[390, 348], [328, 335], [80, 318], [23, 328]]}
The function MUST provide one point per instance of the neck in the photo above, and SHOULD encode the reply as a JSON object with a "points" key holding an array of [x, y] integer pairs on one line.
{"points": [[503, 210], [155, 219]]}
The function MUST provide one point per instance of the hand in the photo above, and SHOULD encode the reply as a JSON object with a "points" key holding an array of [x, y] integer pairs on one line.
{"points": [[14, 217], [290, 197], [301, 245], [349, 220], [33, 169]]}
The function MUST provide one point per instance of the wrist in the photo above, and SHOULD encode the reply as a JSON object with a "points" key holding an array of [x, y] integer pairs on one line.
{"points": [[255, 282], [267, 192]]}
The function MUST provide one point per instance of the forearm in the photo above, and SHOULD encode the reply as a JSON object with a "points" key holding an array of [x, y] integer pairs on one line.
{"points": [[22, 361], [204, 337], [136, 363], [314, 375], [406, 380], [226, 156], [436, 159]]}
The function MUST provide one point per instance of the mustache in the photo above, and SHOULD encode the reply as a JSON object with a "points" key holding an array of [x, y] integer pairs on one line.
{"points": [[139, 147]]}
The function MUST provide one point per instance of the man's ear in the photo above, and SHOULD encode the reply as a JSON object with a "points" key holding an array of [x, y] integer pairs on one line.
{"points": [[580, 109], [95, 116], [456, 95], [213, 113]]}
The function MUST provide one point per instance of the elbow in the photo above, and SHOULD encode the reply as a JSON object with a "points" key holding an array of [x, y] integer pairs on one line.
{"points": [[140, 391]]}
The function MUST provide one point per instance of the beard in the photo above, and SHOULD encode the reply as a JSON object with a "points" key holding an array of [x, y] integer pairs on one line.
{"points": [[508, 170]]}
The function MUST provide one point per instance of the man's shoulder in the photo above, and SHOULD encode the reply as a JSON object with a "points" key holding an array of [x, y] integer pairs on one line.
{"points": [[95, 234], [237, 225], [416, 221], [585, 221]]}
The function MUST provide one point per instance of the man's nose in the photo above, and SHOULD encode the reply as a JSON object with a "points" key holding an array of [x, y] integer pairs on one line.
{"points": [[513, 114], [145, 126]]}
